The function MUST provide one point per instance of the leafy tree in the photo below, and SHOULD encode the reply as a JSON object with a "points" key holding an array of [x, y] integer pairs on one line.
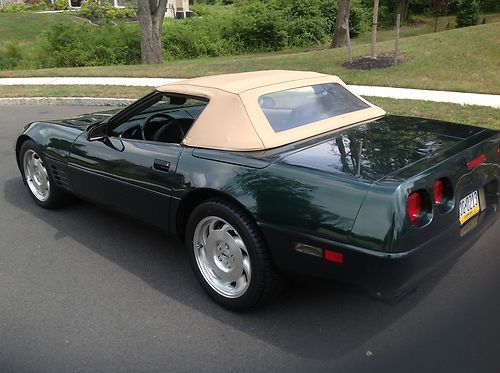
{"points": [[438, 9], [467, 13]]}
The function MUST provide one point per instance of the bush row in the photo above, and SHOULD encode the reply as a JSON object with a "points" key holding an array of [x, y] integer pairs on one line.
{"points": [[253, 26], [229, 28], [76, 45]]}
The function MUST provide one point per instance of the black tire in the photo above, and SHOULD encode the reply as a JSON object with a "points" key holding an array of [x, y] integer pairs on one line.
{"points": [[56, 197], [264, 282]]}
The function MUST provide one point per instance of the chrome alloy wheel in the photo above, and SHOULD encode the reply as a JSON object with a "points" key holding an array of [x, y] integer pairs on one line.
{"points": [[36, 175], [222, 257]]}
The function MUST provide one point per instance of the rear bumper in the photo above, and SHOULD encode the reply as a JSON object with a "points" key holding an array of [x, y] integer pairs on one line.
{"points": [[385, 276]]}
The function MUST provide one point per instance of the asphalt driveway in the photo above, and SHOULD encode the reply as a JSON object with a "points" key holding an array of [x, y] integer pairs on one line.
{"points": [[83, 289]]}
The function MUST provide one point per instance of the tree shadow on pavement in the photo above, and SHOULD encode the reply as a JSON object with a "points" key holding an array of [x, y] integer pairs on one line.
{"points": [[313, 318]]}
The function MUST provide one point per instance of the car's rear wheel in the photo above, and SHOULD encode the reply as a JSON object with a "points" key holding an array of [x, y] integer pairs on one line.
{"points": [[37, 178], [229, 255]]}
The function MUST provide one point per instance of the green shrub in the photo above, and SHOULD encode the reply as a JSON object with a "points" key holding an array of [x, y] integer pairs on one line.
{"points": [[359, 19], [14, 8], [489, 5], [307, 31], [10, 55], [87, 45], [258, 26], [27, 5], [60, 4], [467, 13], [196, 37], [203, 10], [105, 11], [37, 4], [305, 22]]}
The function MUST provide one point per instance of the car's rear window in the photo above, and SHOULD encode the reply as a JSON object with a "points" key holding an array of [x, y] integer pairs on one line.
{"points": [[296, 107]]}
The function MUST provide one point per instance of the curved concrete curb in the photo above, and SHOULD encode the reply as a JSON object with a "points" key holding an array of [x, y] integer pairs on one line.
{"points": [[80, 101], [461, 98]]}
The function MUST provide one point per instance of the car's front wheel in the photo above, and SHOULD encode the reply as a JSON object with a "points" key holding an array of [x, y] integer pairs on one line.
{"points": [[37, 178], [229, 255]]}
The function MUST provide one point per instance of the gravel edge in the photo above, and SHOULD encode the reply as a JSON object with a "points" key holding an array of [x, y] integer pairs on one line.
{"points": [[80, 101]]}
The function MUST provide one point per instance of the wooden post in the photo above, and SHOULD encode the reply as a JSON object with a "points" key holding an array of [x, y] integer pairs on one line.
{"points": [[348, 35], [396, 52], [374, 29]]}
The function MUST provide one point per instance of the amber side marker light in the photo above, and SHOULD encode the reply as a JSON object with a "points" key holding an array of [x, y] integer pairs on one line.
{"points": [[476, 161]]}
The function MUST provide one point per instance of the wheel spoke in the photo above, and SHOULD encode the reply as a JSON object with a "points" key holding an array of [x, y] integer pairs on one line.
{"points": [[239, 242], [211, 226], [241, 282], [246, 265], [226, 228]]}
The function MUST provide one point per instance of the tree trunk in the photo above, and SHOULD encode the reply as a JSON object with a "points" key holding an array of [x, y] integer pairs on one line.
{"points": [[402, 8], [373, 53], [151, 14], [340, 33]]}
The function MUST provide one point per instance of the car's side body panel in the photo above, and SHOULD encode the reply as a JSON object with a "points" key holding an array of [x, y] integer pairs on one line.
{"points": [[281, 195]]}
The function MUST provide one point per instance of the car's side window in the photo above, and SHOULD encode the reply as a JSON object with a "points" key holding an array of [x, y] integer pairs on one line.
{"points": [[164, 118]]}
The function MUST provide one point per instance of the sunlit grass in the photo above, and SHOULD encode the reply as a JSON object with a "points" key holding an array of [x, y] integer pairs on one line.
{"points": [[468, 114], [26, 26]]}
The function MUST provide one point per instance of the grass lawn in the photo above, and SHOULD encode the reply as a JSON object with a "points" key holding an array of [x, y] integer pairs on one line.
{"points": [[469, 114], [73, 91], [476, 115], [422, 26], [26, 26], [464, 60]]}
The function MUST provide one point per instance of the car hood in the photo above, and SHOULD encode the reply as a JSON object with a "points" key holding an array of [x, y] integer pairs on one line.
{"points": [[384, 147], [85, 120]]}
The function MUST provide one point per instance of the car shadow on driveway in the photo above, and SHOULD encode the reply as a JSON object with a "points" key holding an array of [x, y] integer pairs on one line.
{"points": [[314, 319]]}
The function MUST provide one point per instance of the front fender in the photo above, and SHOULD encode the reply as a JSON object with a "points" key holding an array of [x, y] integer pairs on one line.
{"points": [[54, 140]]}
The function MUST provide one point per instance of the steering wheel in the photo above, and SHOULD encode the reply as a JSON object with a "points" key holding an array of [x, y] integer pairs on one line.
{"points": [[171, 120]]}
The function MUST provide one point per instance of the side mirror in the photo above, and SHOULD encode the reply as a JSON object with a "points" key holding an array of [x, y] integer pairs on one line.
{"points": [[98, 132]]}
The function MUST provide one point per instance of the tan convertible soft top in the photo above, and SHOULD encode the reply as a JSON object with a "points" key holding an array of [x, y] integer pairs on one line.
{"points": [[233, 119]]}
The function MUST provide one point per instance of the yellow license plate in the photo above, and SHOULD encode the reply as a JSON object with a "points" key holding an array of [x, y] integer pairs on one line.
{"points": [[469, 206]]}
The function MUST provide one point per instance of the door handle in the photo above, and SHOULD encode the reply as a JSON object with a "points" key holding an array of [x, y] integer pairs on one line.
{"points": [[161, 165]]}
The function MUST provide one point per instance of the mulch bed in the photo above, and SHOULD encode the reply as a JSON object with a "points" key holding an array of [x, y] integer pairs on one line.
{"points": [[368, 63]]}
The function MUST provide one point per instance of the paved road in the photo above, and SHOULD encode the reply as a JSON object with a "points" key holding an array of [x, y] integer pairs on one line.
{"points": [[82, 289]]}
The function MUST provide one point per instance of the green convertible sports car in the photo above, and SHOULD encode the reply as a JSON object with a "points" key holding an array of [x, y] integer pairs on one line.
{"points": [[274, 172]]}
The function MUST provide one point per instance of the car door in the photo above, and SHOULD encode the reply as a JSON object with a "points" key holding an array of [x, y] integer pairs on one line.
{"points": [[132, 175], [129, 176]]}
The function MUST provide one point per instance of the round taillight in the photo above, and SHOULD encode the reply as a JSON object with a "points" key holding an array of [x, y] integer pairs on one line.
{"points": [[438, 191], [414, 206]]}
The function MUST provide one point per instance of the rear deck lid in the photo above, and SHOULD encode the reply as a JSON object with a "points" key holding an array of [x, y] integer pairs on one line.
{"points": [[383, 147]]}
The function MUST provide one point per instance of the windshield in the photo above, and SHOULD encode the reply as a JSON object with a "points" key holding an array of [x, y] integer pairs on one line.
{"points": [[296, 107]]}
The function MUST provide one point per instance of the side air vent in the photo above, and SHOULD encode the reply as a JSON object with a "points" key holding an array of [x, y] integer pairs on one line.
{"points": [[60, 178]]}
